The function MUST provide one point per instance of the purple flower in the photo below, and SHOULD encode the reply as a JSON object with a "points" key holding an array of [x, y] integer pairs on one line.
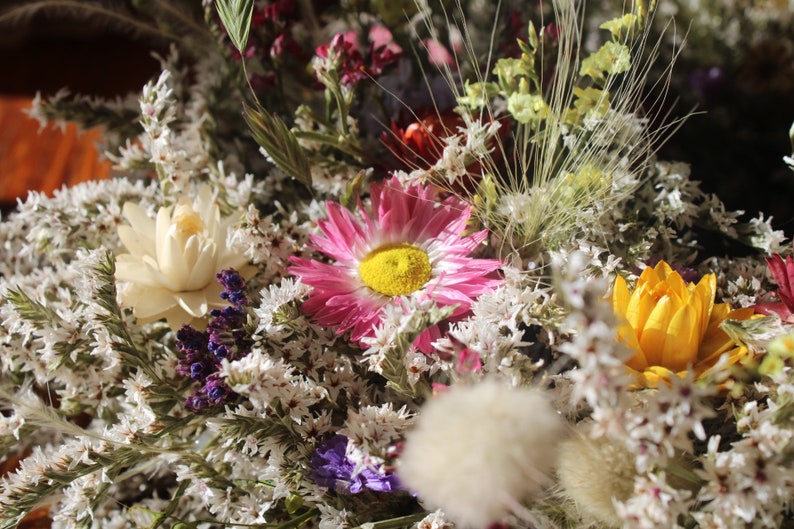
{"points": [[334, 469], [707, 83], [233, 288], [225, 337]]}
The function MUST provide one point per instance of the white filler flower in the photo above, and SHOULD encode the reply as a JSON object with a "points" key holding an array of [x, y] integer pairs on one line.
{"points": [[477, 451], [172, 261]]}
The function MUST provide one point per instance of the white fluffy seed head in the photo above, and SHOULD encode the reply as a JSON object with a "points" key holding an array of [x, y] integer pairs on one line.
{"points": [[477, 451], [594, 473]]}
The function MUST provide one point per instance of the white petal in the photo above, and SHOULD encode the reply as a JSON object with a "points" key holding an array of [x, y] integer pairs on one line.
{"points": [[177, 317], [154, 303], [163, 227], [191, 252], [138, 219], [172, 262], [135, 242], [204, 269], [130, 269], [194, 302], [235, 260], [205, 206]]}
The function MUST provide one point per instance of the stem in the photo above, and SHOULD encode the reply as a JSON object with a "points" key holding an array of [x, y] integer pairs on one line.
{"points": [[394, 523]]}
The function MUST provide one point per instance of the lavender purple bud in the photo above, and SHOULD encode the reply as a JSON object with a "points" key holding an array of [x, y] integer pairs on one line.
{"points": [[225, 337], [334, 469]]}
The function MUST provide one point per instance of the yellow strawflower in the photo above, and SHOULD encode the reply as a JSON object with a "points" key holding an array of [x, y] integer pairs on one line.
{"points": [[673, 326]]}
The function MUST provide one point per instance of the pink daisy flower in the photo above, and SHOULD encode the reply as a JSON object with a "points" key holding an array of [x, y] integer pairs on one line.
{"points": [[406, 244]]}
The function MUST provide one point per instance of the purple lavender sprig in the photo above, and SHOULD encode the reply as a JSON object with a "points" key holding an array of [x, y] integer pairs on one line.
{"points": [[332, 468], [225, 337]]}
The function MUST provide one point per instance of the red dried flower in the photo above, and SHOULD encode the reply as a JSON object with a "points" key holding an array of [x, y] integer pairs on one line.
{"points": [[783, 273]]}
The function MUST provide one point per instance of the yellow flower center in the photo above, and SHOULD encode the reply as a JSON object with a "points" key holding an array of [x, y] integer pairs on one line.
{"points": [[395, 269], [187, 221]]}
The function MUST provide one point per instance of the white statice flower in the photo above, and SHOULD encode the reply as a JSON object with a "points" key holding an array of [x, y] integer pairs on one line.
{"points": [[408, 317], [314, 428], [664, 421], [765, 237], [269, 241], [743, 488], [676, 194], [434, 520], [273, 303], [170, 269], [76, 504], [496, 330], [478, 451], [12, 424], [654, 503], [749, 484], [331, 518], [376, 427], [178, 154], [472, 143], [263, 380]]}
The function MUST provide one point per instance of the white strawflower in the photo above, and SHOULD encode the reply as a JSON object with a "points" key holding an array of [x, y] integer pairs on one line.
{"points": [[477, 451], [172, 261]]}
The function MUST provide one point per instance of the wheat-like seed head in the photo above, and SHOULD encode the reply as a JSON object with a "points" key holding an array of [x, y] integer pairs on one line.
{"points": [[580, 140]]}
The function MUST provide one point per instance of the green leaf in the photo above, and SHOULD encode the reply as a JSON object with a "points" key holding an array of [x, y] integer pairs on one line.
{"points": [[280, 144], [236, 17], [353, 189], [293, 503]]}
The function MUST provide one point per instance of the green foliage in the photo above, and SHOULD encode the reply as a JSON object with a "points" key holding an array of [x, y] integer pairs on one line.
{"points": [[280, 144], [236, 17], [778, 351]]}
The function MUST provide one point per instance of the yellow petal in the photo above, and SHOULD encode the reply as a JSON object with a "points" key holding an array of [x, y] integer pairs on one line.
{"points": [[716, 341], [654, 375], [682, 339], [620, 296], [676, 286], [628, 336], [639, 308], [649, 277], [654, 334], [706, 367], [705, 291]]}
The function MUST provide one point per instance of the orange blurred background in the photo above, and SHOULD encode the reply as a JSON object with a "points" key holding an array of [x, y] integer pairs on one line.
{"points": [[32, 158], [44, 56]]}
